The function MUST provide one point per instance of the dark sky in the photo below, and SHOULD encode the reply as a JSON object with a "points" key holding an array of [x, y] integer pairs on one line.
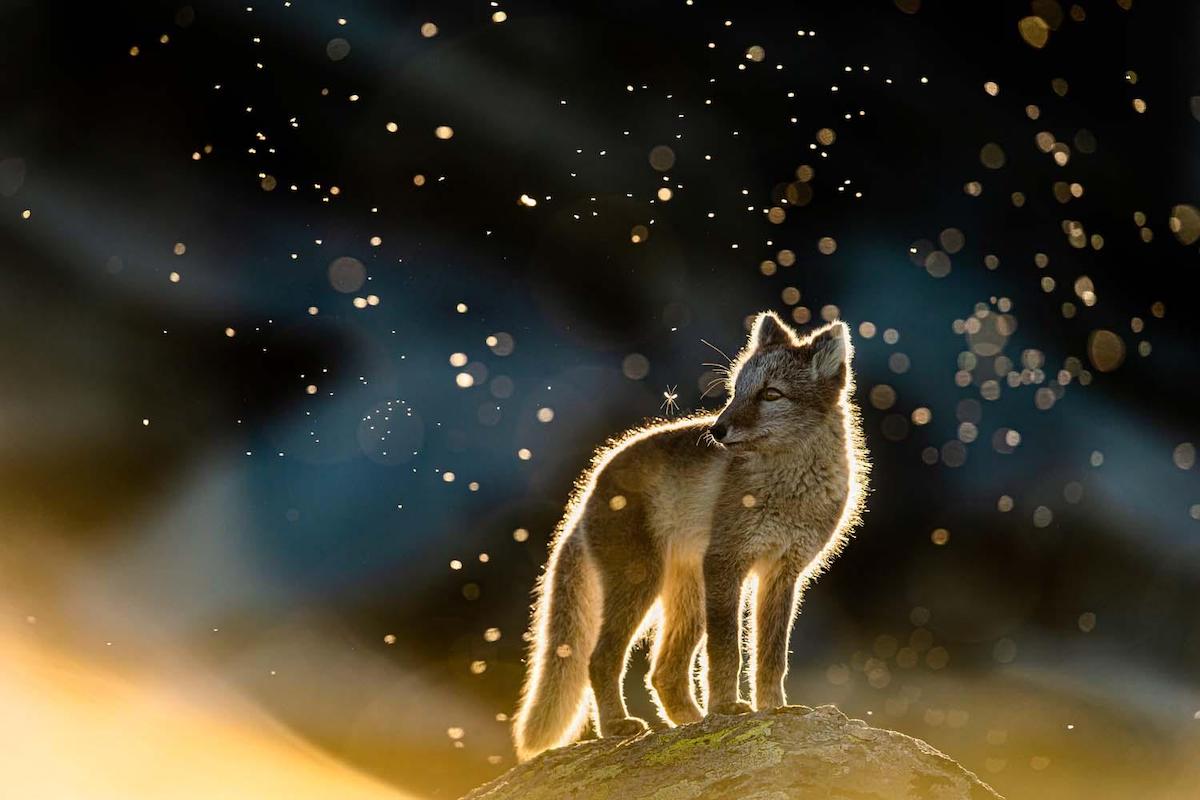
{"points": [[200, 422]]}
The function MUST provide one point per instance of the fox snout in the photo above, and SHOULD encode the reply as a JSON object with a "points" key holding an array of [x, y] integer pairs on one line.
{"points": [[731, 427]]}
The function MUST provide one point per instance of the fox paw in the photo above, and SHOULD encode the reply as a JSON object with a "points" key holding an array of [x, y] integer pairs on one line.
{"points": [[627, 726], [736, 707], [685, 715], [767, 700]]}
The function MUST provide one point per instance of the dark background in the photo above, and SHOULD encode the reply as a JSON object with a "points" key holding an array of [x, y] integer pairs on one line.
{"points": [[281, 520]]}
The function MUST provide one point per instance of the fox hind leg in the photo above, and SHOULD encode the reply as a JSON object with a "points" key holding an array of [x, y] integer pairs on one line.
{"points": [[624, 609], [631, 575]]}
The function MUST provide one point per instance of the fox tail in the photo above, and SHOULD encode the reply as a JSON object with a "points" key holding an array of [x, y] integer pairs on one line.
{"points": [[566, 621]]}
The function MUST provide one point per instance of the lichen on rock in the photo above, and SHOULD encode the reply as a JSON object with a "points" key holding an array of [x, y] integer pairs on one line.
{"points": [[782, 754]]}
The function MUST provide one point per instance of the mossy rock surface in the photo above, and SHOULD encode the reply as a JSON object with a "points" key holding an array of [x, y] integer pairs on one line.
{"points": [[794, 752]]}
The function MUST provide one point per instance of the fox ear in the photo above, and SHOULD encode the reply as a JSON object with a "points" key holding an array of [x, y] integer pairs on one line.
{"points": [[830, 350], [771, 331]]}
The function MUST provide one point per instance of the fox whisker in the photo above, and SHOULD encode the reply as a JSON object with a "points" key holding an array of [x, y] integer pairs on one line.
{"points": [[717, 382], [719, 350]]}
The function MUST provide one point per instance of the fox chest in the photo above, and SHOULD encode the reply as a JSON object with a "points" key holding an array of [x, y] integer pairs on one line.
{"points": [[784, 515]]}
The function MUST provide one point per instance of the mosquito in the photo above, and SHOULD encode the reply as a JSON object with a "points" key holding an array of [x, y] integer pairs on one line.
{"points": [[669, 405]]}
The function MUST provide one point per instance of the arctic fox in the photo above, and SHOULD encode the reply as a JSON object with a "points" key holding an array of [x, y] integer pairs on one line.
{"points": [[661, 518]]}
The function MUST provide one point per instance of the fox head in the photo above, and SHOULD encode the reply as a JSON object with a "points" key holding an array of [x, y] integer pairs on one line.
{"points": [[781, 386]]}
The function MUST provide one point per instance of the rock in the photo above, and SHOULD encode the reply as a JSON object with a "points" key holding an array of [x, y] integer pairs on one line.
{"points": [[793, 752]]}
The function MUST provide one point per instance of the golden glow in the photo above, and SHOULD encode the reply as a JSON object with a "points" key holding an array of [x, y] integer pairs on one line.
{"points": [[88, 733]]}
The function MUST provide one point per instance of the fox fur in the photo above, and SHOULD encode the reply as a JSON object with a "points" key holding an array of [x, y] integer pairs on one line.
{"points": [[678, 523]]}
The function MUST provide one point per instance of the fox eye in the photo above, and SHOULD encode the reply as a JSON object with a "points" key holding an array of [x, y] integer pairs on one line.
{"points": [[770, 393]]}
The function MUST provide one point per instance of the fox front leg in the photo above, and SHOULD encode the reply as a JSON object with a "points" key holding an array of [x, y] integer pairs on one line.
{"points": [[775, 610], [723, 577]]}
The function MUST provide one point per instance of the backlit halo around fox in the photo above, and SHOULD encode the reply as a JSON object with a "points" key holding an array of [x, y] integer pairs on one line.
{"points": [[676, 524]]}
